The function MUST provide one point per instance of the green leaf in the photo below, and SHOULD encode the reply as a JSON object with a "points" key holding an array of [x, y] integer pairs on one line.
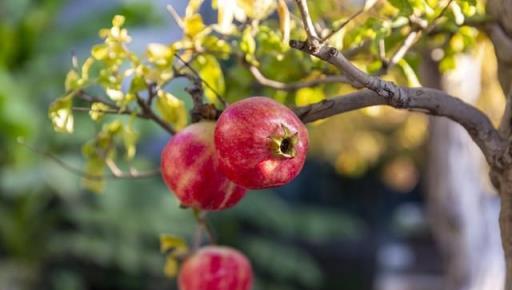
{"points": [[447, 63], [248, 46], [72, 81], [403, 6], [130, 137], [216, 46], [210, 71], [61, 115], [94, 167], [172, 109]]}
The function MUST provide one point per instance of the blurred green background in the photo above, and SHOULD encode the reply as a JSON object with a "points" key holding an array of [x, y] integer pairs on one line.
{"points": [[346, 219]]}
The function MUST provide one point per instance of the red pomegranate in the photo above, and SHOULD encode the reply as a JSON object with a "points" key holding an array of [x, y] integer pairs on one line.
{"points": [[216, 268], [190, 169], [260, 143]]}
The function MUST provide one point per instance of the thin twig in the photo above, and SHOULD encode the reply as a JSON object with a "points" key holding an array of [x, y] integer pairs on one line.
{"points": [[340, 27], [306, 19], [408, 42], [148, 113], [108, 111], [202, 222], [175, 16], [262, 80], [118, 174], [219, 97]]}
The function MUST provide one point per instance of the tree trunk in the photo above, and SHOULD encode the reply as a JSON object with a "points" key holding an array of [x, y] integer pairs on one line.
{"points": [[500, 33], [462, 207]]}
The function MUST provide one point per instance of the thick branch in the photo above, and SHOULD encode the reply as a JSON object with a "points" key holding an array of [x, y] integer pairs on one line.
{"points": [[430, 101]]}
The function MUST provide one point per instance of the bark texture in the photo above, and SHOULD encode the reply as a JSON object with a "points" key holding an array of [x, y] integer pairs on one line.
{"points": [[500, 33]]}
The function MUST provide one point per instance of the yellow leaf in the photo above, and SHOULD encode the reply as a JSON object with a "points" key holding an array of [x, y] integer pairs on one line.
{"points": [[306, 96], [210, 71], [86, 67], [192, 7], [257, 9], [71, 82], [160, 54], [172, 243], [192, 25], [284, 20], [100, 51], [172, 109], [171, 267], [130, 137], [61, 115], [114, 94], [98, 110], [225, 15], [118, 21]]}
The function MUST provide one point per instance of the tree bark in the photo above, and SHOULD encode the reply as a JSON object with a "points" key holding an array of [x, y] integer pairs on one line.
{"points": [[462, 208], [500, 33]]}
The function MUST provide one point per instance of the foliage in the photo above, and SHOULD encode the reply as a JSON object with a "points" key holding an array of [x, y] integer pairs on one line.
{"points": [[120, 229]]}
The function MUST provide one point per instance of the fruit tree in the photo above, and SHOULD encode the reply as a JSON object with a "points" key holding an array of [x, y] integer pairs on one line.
{"points": [[327, 56]]}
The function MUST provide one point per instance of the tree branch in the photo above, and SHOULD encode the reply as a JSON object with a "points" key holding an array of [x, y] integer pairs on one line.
{"points": [[116, 174], [430, 101], [306, 18], [383, 92], [148, 113], [262, 80]]}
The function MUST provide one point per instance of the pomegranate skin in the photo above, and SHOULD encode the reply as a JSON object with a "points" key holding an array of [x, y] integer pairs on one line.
{"points": [[190, 169], [216, 268], [246, 136]]}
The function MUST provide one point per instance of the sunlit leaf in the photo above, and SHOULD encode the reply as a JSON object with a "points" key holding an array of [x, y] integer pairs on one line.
{"points": [[284, 20], [172, 109], [171, 243], [403, 6], [192, 25], [457, 13], [306, 96], [225, 15], [159, 54], [118, 20], [61, 115], [115, 95], [210, 71], [171, 267], [130, 137], [192, 7], [100, 51], [248, 46], [216, 46], [72, 81], [98, 110], [257, 9]]}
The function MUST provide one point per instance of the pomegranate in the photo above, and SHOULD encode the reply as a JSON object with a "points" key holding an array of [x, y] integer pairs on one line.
{"points": [[216, 268], [260, 143], [190, 169]]}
